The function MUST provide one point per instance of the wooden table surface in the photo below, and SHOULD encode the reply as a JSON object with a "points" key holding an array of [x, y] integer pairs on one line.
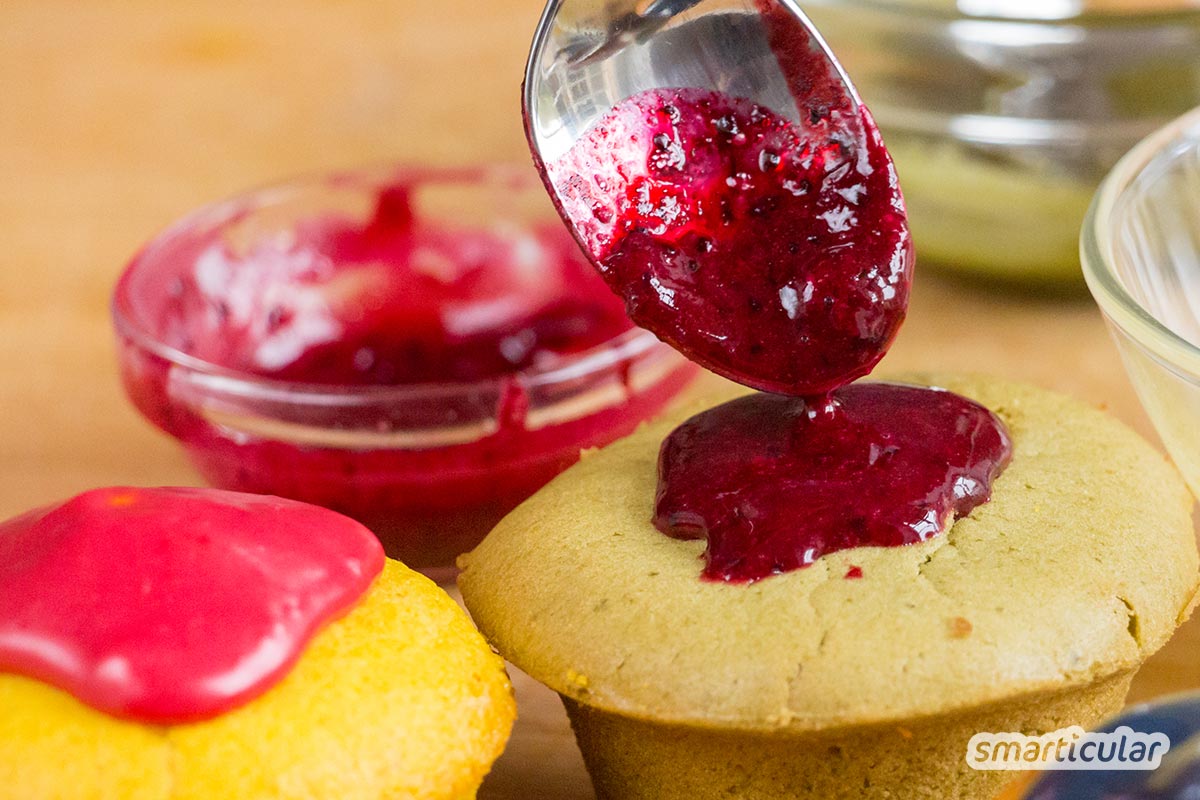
{"points": [[118, 116]]}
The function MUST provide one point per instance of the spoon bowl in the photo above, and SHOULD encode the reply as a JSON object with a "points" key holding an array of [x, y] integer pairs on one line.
{"points": [[588, 56], [716, 164]]}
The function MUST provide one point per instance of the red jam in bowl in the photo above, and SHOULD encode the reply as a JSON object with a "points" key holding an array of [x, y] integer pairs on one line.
{"points": [[173, 605], [418, 351]]}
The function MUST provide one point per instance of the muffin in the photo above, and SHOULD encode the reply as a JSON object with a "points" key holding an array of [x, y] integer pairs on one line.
{"points": [[865, 674], [395, 696]]}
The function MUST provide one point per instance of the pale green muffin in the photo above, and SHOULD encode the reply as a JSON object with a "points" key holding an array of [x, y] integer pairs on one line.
{"points": [[1031, 614]]}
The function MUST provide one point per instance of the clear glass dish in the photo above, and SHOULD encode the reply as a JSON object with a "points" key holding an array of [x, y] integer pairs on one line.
{"points": [[429, 467], [1004, 115], [1177, 777], [1141, 258]]}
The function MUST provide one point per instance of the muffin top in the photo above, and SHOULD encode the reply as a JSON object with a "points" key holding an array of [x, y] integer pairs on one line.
{"points": [[1080, 566], [399, 698]]}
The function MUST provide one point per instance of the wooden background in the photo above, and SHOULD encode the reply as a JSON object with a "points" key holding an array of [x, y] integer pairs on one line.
{"points": [[118, 116]]}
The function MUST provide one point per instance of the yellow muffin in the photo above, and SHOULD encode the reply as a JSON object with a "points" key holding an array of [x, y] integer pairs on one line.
{"points": [[401, 698], [1030, 614]]}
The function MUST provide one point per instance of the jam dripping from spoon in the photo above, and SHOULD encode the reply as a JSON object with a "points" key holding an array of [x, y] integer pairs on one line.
{"points": [[774, 250]]}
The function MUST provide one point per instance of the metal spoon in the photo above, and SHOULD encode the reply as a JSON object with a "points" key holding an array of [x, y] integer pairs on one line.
{"points": [[588, 55]]}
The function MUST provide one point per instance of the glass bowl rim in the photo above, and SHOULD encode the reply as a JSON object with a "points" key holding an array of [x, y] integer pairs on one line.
{"points": [[1096, 249], [1099, 18], [232, 382]]}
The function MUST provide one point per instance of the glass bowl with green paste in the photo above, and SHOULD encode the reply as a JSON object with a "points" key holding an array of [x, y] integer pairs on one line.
{"points": [[1004, 115]]}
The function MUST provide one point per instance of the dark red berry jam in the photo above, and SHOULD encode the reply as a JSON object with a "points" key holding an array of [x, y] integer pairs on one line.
{"points": [[392, 301], [775, 254], [774, 483]]}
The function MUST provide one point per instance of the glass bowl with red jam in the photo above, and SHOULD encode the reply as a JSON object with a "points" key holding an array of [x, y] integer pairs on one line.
{"points": [[418, 349]]}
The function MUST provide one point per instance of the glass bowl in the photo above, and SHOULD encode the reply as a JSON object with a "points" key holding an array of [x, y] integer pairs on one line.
{"points": [[429, 467], [1004, 115], [1176, 778], [1141, 258]]}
